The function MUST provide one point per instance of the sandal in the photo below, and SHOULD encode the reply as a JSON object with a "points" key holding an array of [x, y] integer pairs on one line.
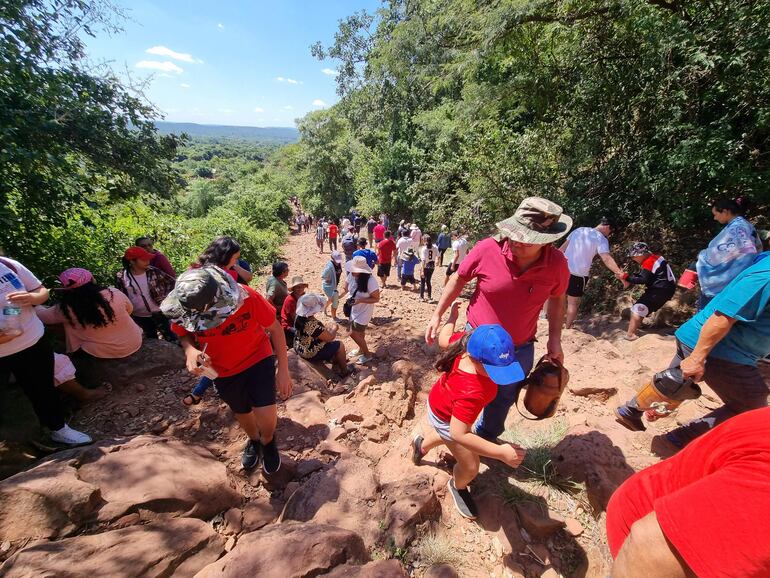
{"points": [[191, 399]]}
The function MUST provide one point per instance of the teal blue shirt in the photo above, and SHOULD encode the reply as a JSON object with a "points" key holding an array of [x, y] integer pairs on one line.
{"points": [[747, 300]]}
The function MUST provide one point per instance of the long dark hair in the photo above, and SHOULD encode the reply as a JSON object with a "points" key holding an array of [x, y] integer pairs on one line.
{"points": [[428, 241], [219, 252], [88, 305], [737, 206], [362, 282], [446, 360]]}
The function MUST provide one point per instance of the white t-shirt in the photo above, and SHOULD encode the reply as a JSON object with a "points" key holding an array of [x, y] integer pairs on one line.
{"points": [[140, 309], [32, 328], [584, 244], [429, 255], [403, 244], [362, 312], [460, 249]]}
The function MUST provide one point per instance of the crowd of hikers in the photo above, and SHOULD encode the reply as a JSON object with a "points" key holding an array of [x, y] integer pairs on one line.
{"points": [[236, 338]]}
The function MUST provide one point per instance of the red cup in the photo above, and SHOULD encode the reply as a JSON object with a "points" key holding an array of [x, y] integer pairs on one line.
{"points": [[688, 280]]}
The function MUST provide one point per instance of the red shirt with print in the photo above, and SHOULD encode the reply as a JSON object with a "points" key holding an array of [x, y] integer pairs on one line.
{"points": [[386, 249], [240, 341], [460, 394], [507, 296], [333, 231]]}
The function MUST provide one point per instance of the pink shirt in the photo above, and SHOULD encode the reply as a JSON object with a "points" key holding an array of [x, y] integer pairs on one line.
{"points": [[379, 232], [119, 339], [506, 296]]}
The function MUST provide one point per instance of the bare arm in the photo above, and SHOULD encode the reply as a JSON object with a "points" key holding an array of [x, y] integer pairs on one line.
{"points": [[713, 331], [243, 273], [29, 298], [452, 290], [194, 357], [556, 306], [278, 339], [373, 298], [610, 263], [507, 453], [449, 327]]}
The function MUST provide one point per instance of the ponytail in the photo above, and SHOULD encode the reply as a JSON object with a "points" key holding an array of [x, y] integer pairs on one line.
{"points": [[446, 360]]}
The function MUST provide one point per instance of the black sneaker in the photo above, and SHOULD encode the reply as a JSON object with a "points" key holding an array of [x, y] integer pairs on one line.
{"points": [[271, 459], [251, 455], [417, 450], [629, 418], [463, 501]]}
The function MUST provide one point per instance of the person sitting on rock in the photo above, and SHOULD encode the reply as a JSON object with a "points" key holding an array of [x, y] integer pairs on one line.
{"points": [[314, 341], [721, 345], [159, 260], [656, 276], [276, 289], [297, 288], [97, 323], [472, 367], [223, 328], [700, 512]]}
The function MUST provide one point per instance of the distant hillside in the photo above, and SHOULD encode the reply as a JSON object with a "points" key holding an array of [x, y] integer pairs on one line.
{"points": [[280, 135]]}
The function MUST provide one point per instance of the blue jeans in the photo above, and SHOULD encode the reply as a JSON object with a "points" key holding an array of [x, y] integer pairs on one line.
{"points": [[201, 387], [491, 422], [398, 268]]}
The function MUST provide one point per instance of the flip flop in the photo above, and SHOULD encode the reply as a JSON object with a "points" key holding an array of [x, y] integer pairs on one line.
{"points": [[193, 400]]}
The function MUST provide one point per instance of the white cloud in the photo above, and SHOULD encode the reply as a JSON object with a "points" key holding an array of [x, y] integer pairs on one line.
{"points": [[287, 80], [184, 85], [220, 26], [318, 102], [330, 72], [165, 66], [288, 107], [226, 110], [259, 109], [163, 51]]}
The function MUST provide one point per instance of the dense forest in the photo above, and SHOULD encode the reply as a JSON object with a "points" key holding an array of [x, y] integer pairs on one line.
{"points": [[450, 112]]}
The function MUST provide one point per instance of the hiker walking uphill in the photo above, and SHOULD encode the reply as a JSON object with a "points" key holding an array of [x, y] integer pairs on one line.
{"points": [[721, 345], [222, 327], [516, 273], [580, 248]]}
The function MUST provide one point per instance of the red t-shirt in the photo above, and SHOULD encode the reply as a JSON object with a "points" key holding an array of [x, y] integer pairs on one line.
{"points": [[379, 232], [289, 311], [386, 248], [712, 499], [240, 341], [506, 296], [333, 230], [460, 394]]}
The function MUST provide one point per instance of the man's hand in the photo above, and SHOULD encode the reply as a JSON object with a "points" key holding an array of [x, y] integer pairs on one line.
{"points": [[283, 383], [554, 351], [432, 330], [693, 368], [193, 357]]}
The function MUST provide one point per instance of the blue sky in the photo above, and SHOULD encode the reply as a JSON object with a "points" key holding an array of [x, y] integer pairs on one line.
{"points": [[237, 62]]}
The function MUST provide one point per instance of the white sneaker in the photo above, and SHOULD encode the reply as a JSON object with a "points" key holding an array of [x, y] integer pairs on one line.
{"points": [[70, 437]]}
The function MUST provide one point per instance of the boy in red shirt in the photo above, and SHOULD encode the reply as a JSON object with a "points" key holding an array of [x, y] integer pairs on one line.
{"points": [[385, 250], [222, 328], [333, 232], [473, 365]]}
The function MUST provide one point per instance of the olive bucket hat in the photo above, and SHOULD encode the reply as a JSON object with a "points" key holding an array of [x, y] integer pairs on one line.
{"points": [[203, 299], [537, 221]]}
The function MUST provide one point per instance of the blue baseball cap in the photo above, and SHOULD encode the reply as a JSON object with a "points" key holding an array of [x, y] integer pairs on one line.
{"points": [[493, 348]]}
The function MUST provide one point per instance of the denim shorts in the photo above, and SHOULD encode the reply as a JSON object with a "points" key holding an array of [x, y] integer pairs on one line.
{"points": [[441, 427]]}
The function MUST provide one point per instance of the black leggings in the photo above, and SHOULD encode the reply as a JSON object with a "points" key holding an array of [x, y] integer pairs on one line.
{"points": [[151, 325], [427, 275], [33, 369]]}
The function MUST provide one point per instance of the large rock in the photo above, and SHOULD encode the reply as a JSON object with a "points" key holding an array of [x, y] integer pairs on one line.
{"points": [[410, 502], [147, 474], [379, 569], [303, 376], [154, 358], [290, 550], [537, 521], [179, 547], [589, 456], [346, 495]]}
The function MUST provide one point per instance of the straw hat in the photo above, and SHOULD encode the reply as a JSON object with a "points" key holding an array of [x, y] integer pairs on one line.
{"points": [[358, 264], [537, 221], [310, 304], [295, 281]]}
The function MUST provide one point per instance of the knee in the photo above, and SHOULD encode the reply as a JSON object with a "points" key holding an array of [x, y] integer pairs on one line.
{"points": [[640, 310]]}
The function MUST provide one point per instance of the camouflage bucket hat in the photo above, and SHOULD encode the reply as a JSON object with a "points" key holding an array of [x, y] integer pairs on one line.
{"points": [[202, 299], [537, 221]]}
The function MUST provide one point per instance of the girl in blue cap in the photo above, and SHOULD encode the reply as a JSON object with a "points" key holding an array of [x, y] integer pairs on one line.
{"points": [[472, 367]]}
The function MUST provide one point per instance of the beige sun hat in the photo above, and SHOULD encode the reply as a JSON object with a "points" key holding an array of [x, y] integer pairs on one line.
{"points": [[537, 221], [310, 304], [358, 264], [295, 281]]}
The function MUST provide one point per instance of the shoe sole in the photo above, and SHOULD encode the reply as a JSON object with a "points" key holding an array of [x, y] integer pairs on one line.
{"points": [[264, 469], [628, 424], [467, 516]]}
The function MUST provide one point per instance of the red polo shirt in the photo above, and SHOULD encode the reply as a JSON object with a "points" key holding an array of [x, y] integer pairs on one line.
{"points": [[507, 296]]}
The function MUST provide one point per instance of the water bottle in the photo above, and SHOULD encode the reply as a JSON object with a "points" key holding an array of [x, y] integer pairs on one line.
{"points": [[11, 318]]}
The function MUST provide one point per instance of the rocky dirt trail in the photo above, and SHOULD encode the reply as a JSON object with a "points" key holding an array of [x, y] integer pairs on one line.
{"points": [[163, 493]]}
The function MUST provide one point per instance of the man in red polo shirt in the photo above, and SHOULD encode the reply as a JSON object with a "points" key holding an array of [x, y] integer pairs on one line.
{"points": [[516, 272]]}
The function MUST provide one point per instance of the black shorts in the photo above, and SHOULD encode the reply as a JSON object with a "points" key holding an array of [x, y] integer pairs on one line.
{"points": [[654, 299], [577, 285], [327, 353], [252, 387], [383, 270], [408, 279]]}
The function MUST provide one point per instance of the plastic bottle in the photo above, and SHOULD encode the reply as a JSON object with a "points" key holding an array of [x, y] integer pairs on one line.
{"points": [[11, 318]]}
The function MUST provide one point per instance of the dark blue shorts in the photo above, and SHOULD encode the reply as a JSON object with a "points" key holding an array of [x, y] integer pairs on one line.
{"points": [[327, 353], [252, 387]]}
